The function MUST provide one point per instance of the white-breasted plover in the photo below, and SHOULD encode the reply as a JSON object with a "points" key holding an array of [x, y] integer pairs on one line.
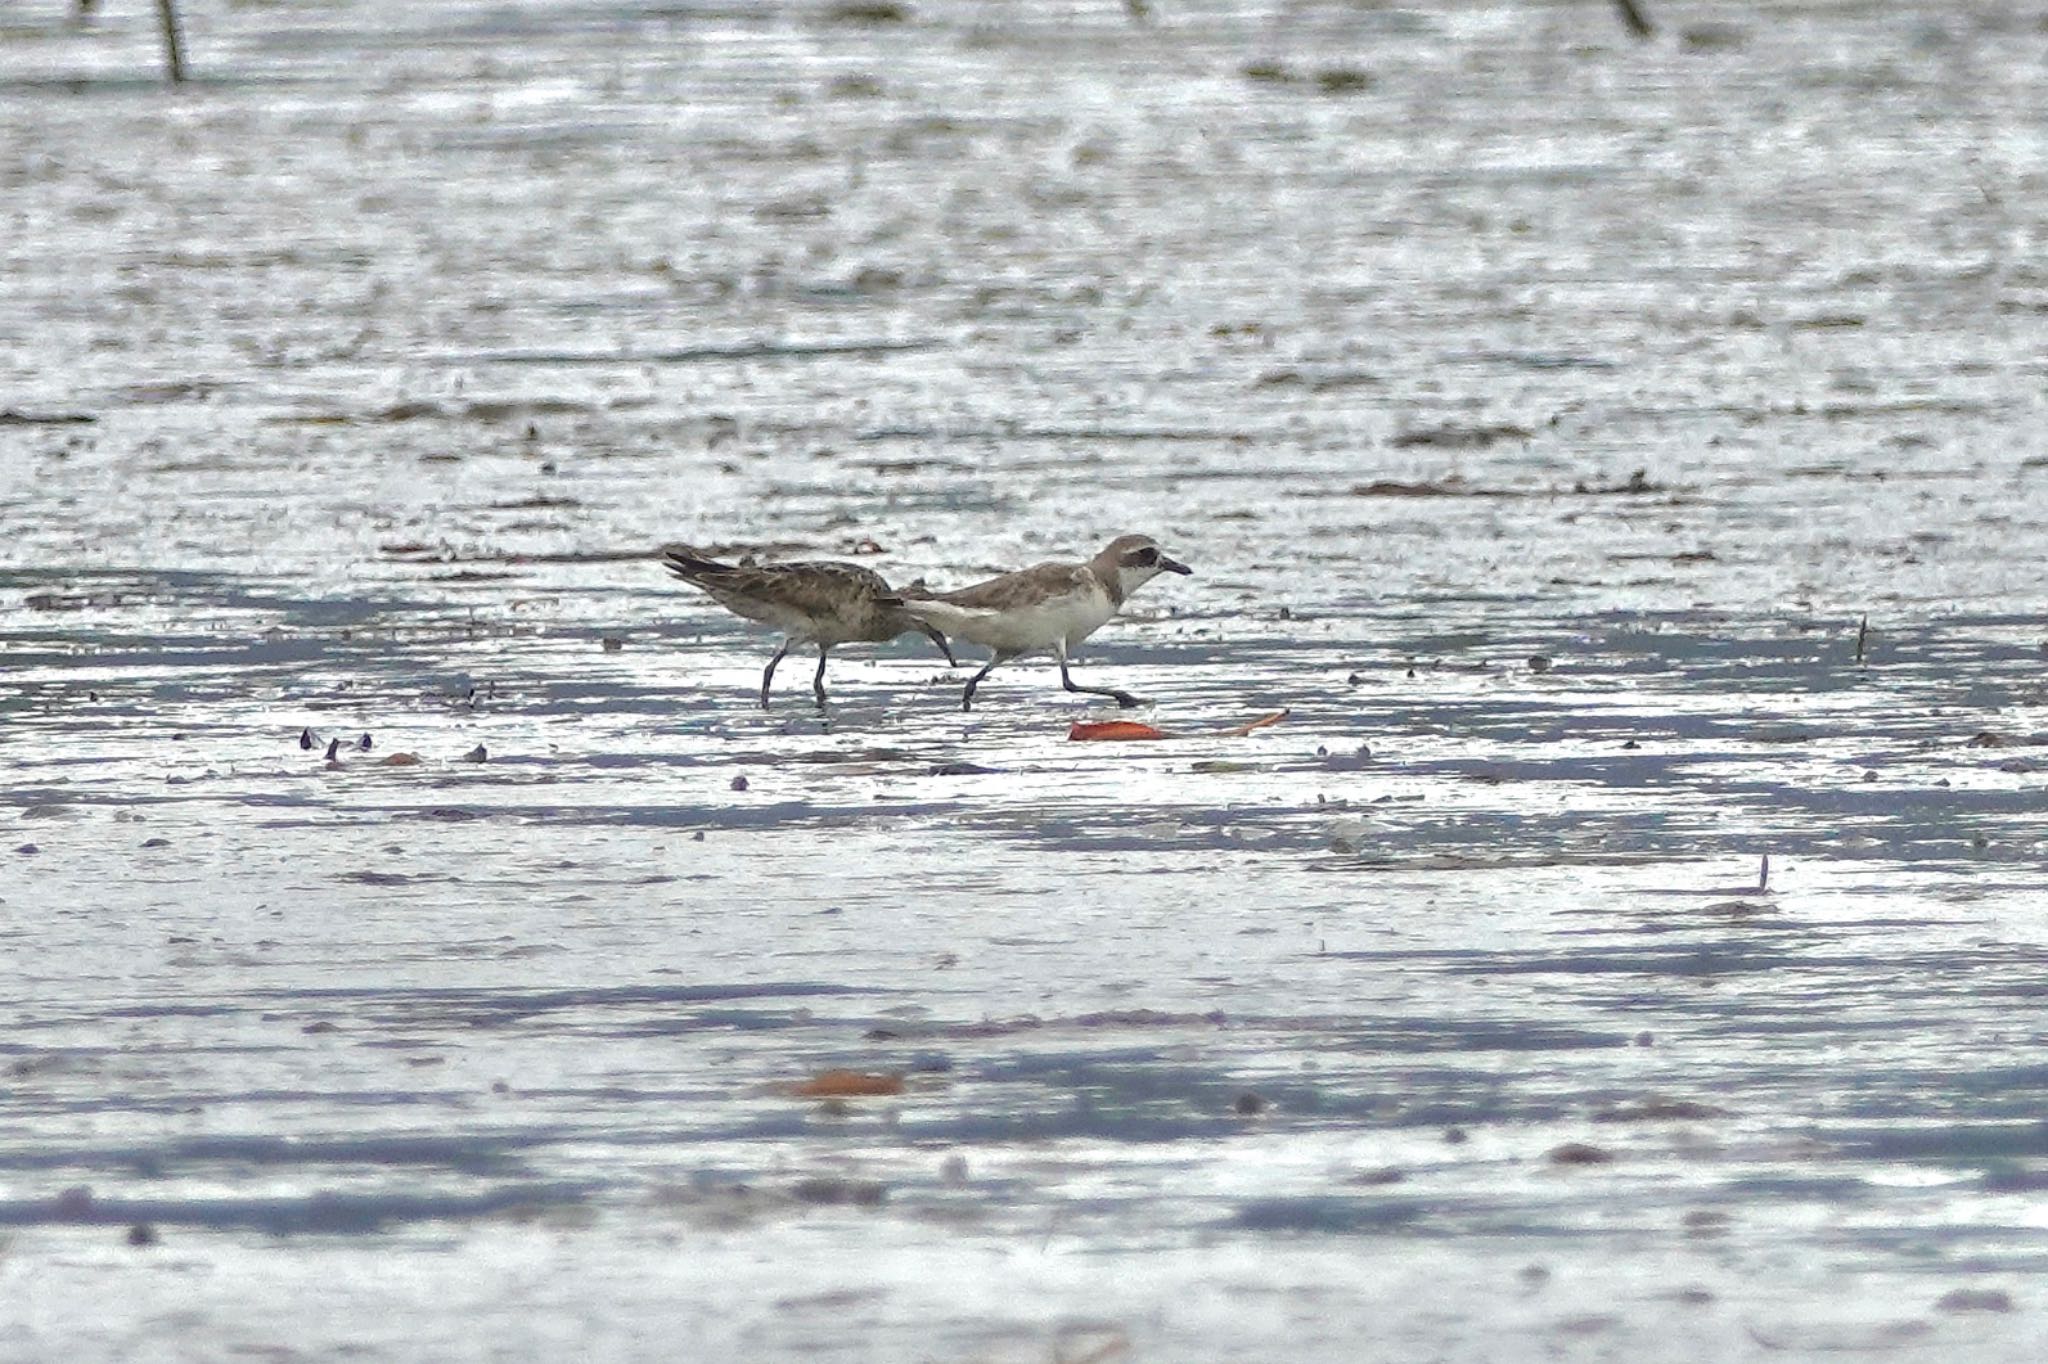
{"points": [[813, 601], [1051, 606]]}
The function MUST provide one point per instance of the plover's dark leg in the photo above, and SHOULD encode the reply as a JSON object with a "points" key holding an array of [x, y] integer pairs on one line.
{"points": [[818, 682], [769, 676], [931, 633], [967, 697], [1123, 698]]}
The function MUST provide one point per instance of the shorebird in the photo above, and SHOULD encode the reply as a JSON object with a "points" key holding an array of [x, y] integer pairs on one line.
{"points": [[813, 601], [1047, 606]]}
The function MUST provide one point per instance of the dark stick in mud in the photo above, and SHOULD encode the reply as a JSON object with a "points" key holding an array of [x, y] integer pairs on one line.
{"points": [[1632, 15], [1862, 635], [174, 43]]}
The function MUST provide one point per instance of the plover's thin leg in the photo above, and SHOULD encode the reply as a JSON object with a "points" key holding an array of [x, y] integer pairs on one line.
{"points": [[769, 676], [967, 697], [818, 682], [1123, 698], [932, 634]]}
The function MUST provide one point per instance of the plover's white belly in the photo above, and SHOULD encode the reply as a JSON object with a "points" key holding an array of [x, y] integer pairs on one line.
{"points": [[1040, 625]]}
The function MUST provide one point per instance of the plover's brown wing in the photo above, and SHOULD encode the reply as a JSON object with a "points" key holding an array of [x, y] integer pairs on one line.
{"points": [[815, 599]]}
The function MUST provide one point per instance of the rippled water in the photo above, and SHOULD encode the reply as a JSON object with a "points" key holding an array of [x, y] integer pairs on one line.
{"points": [[1623, 462]]}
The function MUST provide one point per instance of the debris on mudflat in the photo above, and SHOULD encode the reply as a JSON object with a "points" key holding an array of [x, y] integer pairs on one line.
{"points": [[1458, 437], [1658, 1110], [306, 739], [1637, 484], [847, 1084]]}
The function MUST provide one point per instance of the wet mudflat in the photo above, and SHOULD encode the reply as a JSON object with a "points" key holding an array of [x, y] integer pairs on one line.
{"points": [[1623, 463]]}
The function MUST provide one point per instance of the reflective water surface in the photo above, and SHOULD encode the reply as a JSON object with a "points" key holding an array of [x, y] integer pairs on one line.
{"points": [[1624, 463]]}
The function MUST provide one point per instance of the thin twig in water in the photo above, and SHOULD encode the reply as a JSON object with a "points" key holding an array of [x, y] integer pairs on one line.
{"points": [[1763, 875], [1862, 635], [174, 43], [1632, 15]]}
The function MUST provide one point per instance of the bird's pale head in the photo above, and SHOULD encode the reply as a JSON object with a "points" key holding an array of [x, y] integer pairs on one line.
{"points": [[1136, 560]]}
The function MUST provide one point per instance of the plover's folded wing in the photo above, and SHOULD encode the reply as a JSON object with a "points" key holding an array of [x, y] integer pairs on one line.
{"points": [[1025, 588]]}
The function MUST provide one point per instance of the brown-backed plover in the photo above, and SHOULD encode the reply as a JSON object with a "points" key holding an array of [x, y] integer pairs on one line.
{"points": [[1048, 606], [813, 601]]}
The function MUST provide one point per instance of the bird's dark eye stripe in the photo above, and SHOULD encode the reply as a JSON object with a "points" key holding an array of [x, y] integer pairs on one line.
{"points": [[1145, 556]]}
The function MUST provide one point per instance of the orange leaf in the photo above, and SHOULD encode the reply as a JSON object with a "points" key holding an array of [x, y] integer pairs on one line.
{"points": [[1275, 718], [1115, 729], [847, 1084]]}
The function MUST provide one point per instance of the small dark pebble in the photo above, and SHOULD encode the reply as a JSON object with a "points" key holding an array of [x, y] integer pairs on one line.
{"points": [[1342, 80], [479, 754], [322, 1026], [1644, 1039], [1248, 1105], [177, 738], [1386, 1174], [364, 743], [961, 769], [1533, 1275], [28, 849], [612, 644], [1286, 613], [1580, 1153], [1975, 1300], [1869, 776], [1455, 1136], [697, 837], [156, 842], [739, 783], [828, 1192], [306, 738], [1631, 744], [75, 1202], [142, 1234], [1539, 664]]}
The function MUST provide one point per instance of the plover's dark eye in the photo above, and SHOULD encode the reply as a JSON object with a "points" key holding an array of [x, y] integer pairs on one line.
{"points": [[1145, 557]]}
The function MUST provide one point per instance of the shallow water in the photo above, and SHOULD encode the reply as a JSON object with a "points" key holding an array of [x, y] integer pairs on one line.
{"points": [[350, 390]]}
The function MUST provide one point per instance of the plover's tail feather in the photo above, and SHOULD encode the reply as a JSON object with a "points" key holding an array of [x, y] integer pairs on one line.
{"points": [[693, 567]]}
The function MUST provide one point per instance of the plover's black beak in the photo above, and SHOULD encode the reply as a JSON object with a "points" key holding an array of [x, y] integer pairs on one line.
{"points": [[1167, 565]]}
